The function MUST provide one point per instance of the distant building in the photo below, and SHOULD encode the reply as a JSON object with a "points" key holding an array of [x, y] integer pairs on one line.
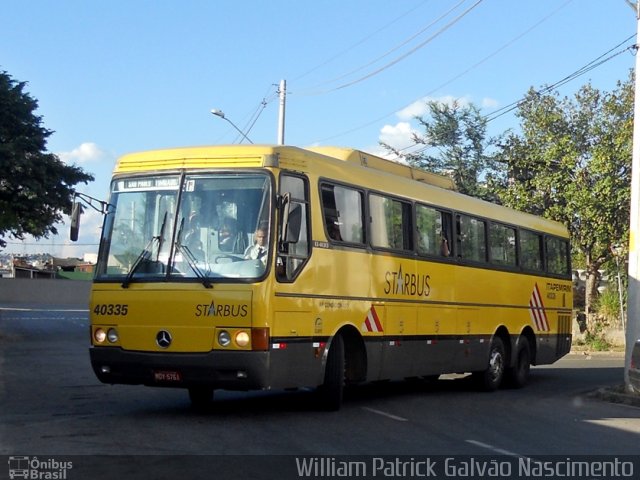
{"points": [[46, 266], [6, 273], [21, 271]]}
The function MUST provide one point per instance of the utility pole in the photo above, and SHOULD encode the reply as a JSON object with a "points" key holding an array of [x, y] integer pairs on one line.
{"points": [[282, 90], [633, 292]]}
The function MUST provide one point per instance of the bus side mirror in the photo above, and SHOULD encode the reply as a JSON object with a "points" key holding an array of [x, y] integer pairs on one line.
{"points": [[293, 227], [290, 220], [283, 205], [75, 221]]}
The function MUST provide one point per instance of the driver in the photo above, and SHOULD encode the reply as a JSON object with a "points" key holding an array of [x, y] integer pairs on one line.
{"points": [[259, 249]]}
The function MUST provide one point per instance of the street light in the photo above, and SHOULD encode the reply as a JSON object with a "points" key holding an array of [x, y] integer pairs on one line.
{"points": [[220, 113]]}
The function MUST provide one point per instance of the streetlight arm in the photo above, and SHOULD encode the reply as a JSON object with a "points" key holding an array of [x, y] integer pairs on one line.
{"points": [[220, 113]]}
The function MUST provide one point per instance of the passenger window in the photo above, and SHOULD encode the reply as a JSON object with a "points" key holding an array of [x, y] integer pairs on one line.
{"points": [[390, 223], [530, 250], [471, 239], [343, 213], [502, 240], [557, 256], [433, 229]]}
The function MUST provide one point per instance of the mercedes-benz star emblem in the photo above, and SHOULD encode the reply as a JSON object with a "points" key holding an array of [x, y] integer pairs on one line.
{"points": [[163, 339]]}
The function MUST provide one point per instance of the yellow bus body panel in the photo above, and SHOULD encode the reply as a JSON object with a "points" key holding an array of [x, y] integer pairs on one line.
{"points": [[190, 314]]}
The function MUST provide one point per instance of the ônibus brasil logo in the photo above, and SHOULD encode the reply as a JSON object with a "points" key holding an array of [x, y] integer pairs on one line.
{"points": [[35, 468]]}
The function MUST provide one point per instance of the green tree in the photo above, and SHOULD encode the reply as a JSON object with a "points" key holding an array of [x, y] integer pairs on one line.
{"points": [[36, 187], [455, 144], [572, 163]]}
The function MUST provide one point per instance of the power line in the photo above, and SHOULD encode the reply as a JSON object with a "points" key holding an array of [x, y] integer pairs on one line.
{"points": [[253, 118], [405, 55], [500, 49], [503, 47], [389, 52], [268, 98], [358, 43], [581, 71]]}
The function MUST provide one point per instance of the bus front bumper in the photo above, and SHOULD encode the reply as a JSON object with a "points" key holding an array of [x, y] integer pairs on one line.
{"points": [[232, 370]]}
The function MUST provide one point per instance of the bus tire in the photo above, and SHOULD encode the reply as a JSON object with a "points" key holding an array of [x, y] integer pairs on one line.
{"points": [[201, 397], [518, 375], [331, 392], [490, 378]]}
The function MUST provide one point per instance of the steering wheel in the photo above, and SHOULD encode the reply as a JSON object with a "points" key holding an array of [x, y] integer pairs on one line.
{"points": [[233, 258]]}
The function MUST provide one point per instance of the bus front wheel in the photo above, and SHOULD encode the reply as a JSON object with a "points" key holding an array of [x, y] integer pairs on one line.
{"points": [[330, 393], [491, 377]]}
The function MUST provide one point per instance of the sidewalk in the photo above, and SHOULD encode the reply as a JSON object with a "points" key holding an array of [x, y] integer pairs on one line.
{"points": [[613, 394]]}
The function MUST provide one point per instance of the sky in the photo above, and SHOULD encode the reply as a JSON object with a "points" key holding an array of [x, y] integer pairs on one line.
{"points": [[129, 75]]}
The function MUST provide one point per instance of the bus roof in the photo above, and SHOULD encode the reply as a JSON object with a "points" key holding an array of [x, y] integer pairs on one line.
{"points": [[337, 163]]}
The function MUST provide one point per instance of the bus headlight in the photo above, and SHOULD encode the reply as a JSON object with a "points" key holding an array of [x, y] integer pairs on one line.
{"points": [[99, 335], [112, 335], [242, 339], [224, 339]]}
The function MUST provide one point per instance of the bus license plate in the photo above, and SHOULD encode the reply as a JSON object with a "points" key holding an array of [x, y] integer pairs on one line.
{"points": [[167, 376]]}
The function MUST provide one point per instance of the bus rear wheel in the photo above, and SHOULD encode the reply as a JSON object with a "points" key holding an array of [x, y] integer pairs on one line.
{"points": [[331, 392], [201, 397], [518, 375], [490, 378]]}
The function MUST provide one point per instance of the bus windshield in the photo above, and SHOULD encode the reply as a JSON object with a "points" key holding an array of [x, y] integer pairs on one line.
{"points": [[199, 226]]}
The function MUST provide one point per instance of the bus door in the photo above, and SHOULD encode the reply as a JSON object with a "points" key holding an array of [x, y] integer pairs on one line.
{"points": [[293, 354]]}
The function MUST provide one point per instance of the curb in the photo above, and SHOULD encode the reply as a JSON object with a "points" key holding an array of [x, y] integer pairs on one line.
{"points": [[616, 394]]}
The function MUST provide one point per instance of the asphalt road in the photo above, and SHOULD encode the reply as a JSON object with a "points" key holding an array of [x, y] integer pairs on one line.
{"points": [[53, 405]]}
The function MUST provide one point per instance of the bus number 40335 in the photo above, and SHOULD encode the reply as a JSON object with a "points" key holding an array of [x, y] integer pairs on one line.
{"points": [[111, 309]]}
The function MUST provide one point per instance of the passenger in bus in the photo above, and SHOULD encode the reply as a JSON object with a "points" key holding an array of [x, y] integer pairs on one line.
{"points": [[333, 228], [259, 249], [229, 239], [444, 247], [192, 235]]}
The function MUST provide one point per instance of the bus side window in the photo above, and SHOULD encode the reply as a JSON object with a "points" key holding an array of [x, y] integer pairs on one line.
{"points": [[530, 250], [471, 238], [445, 234], [557, 256], [502, 242], [390, 223], [343, 213], [434, 231]]}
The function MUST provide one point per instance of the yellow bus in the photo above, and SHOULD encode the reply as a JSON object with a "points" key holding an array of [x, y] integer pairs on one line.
{"points": [[274, 267]]}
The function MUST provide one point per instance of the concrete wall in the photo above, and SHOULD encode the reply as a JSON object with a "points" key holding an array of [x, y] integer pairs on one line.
{"points": [[44, 291]]}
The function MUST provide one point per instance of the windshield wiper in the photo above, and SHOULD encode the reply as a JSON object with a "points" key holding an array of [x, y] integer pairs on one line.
{"points": [[161, 235], [145, 254], [190, 258]]}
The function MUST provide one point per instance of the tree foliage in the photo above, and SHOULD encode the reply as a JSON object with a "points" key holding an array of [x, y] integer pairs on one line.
{"points": [[572, 163], [36, 187], [455, 144]]}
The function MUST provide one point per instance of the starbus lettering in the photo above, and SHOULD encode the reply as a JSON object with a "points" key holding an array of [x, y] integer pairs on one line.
{"points": [[399, 283], [221, 310]]}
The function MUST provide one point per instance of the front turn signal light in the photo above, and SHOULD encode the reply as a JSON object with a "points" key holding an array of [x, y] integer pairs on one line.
{"points": [[260, 338]]}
